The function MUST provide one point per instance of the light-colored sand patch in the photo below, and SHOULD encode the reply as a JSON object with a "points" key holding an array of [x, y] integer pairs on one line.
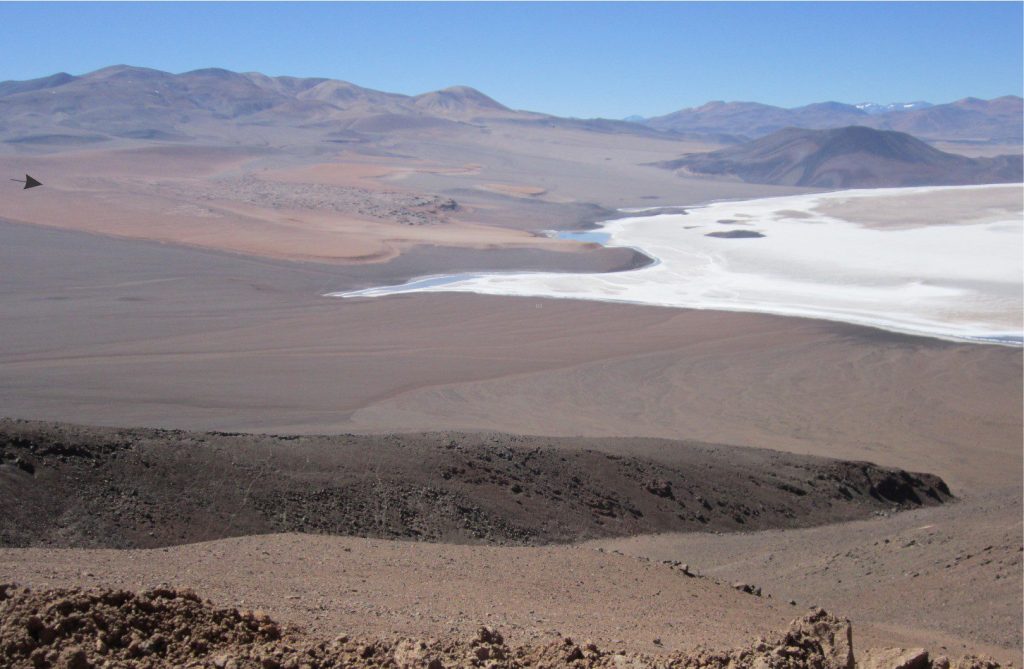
{"points": [[241, 228], [514, 190], [238, 230], [362, 174], [978, 149], [917, 207], [959, 281], [419, 168], [367, 174]]}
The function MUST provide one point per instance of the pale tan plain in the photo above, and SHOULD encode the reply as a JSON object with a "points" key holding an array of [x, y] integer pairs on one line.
{"points": [[960, 206], [157, 193], [120, 305], [122, 200]]}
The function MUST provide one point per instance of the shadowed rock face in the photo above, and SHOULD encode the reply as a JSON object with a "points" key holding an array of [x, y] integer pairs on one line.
{"points": [[74, 486], [852, 157]]}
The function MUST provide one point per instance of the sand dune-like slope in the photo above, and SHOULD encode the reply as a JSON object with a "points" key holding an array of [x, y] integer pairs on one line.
{"points": [[118, 333]]}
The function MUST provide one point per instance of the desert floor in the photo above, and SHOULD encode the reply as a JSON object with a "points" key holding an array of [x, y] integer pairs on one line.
{"points": [[118, 318]]}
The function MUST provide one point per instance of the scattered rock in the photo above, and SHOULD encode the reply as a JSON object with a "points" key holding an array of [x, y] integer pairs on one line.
{"points": [[410, 654], [895, 658], [74, 658], [25, 466], [661, 488], [747, 588], [833, 638], [975, 662]]}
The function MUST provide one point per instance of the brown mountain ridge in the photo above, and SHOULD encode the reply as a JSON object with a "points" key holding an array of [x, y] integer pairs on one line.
{"points": [[215, 105]]}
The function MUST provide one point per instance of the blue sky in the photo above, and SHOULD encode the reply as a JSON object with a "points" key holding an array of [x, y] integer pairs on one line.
{"points": [[572, 59]]}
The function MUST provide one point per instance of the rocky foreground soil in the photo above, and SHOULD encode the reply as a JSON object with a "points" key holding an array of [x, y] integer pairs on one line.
{"points": [[82, 629], [72, 486]]}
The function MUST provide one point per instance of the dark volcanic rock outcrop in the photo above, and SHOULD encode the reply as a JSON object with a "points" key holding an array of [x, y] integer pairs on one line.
{"points": [[64, 485]]}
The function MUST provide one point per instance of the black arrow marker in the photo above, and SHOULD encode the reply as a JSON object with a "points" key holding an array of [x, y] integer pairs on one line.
{"points": [[29, 182]]}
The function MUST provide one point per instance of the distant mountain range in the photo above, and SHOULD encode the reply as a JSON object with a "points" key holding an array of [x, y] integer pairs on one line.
{"points": [[970, 119], [134, 102], [790, 146], [850, 157], [868, 107], [222, 106]]}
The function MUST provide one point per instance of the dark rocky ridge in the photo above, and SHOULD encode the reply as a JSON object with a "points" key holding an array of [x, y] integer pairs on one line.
{"points": [[64, 485]]}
